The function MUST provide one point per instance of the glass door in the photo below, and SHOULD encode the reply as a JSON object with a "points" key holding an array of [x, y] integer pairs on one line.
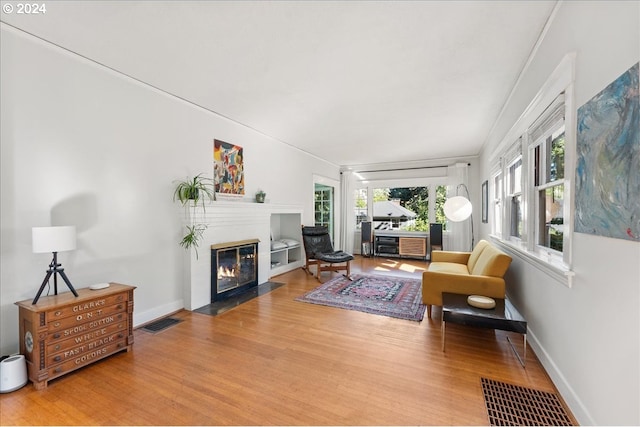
{"points": [[324, 207]]}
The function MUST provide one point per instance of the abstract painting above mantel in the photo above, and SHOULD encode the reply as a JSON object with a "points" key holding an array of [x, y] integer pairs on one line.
{"points": [[228, 168], [608, 161]]}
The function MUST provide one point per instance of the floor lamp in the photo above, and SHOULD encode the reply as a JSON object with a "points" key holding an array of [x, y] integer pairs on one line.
{"points": [[53, 239], [459, 208]]}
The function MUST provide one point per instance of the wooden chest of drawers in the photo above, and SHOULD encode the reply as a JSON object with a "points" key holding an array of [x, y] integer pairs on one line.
{"points": [[62, 333]]}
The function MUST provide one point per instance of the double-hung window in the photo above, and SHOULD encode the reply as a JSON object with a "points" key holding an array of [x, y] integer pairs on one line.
{"points": [[497, 223], [529, 187], [532, 177], [547, 175], [360, 206], [514, 206]]}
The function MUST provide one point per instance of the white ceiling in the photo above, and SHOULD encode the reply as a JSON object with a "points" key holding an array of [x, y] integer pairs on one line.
{"points": [[352, 82]]}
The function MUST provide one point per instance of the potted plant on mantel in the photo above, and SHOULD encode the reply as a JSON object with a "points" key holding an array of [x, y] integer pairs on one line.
{"points": [[194, 190]]}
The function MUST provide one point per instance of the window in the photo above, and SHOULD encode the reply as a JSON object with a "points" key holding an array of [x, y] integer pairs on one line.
{"points": [[514, 195], [496, 224], [532, 171], [400, 208], [547, 150], [324, 206], [534, 182], [360, 206], [441, 197]]}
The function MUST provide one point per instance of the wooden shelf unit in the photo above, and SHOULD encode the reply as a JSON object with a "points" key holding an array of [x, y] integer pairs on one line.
{"points": [[62, 333], [401, 244]]}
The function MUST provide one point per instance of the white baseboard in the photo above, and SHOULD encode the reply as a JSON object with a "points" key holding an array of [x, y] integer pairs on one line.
{"points": [[156, 312], [570, 397]]}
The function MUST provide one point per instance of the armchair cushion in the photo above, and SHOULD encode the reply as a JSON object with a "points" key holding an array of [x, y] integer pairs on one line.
{"points": [[334, 257], [477, 251], [491, 262], [449, 268], [450, 257]]}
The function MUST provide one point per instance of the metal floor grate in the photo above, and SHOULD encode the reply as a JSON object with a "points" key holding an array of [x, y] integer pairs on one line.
{"points": [[512, 405], [161, 324]]}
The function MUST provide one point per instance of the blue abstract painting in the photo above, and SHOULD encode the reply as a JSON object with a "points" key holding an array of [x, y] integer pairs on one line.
{"points": [[608, 161]]}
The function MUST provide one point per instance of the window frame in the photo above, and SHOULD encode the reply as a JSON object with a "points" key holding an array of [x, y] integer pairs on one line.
{"points": [[543, 184], [496, 215], [514, 188], [522, 138], [358, 193]]}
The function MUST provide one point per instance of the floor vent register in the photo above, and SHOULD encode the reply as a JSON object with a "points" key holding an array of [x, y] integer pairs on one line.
{"points": [[512, 405], [161, 325]]}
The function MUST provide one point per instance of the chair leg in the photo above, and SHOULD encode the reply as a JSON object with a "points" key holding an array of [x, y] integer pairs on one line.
{"points": [[429, 311]]}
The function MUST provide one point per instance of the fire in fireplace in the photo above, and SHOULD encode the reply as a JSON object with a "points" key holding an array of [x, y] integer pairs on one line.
{"points": [[234, 268]]}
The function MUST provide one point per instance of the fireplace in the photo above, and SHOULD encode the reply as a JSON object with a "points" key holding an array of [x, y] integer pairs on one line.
{"points": [[234, 268]]}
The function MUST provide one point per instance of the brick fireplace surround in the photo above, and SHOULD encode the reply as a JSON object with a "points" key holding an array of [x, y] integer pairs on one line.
{"points": [[228, 221]]}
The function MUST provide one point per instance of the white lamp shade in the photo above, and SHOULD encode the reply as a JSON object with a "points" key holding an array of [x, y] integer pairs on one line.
{"points": [[457, 208], [53, 239]]}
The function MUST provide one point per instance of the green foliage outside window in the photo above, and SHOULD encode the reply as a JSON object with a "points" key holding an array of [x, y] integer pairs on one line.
{"points": [[380, 194], [441, 197], [415, 199]]}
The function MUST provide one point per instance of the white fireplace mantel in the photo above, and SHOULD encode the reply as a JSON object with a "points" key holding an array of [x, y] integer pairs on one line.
{"points": [[227, 221]]}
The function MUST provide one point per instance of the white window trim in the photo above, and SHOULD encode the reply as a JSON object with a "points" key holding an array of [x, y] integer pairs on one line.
{"points": [[543, 251], [509, 194], [496, 229], [561, 80]]}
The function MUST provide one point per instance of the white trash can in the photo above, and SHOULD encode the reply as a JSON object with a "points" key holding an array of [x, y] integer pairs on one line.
{"points": [[13, 373]]}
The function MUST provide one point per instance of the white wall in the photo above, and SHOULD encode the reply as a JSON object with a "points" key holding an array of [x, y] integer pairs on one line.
{"points": [[83, 145], [588, 337]]}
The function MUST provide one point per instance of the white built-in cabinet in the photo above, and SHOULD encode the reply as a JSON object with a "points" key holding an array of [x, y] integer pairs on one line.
{"points": [[286, 227]]}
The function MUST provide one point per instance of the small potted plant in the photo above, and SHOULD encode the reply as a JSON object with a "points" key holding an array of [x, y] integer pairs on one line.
{"points": [[260, 195]]}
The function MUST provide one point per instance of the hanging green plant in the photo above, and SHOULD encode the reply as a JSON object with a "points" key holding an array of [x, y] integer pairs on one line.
{"points": [[193, 237], [194, 190]]}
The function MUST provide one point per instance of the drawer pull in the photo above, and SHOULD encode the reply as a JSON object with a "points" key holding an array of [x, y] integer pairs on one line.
{"points": [[56, 336], [58, 313], [119, 298], [57, 359], [119, 307], [55, 325], [57, 347], [57, 370], [120, 335]]}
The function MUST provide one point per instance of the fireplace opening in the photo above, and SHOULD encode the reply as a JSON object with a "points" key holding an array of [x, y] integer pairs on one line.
{"points": [[234, 268]]}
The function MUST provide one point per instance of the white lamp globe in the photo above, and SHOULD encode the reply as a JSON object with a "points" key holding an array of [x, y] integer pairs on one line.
{"points": [[457, 208]]}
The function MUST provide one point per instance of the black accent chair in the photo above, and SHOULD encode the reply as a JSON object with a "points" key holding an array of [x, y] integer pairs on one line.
{"points": [[319, 252]]}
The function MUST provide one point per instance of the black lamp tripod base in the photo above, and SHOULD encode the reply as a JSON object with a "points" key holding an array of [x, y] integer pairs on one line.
{"points": [[54, 269]]}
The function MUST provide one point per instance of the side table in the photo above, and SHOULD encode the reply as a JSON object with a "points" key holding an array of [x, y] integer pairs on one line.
{"points": [[503, 316]]}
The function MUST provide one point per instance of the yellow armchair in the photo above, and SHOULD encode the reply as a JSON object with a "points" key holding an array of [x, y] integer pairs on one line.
{"points": [[480, 272]]}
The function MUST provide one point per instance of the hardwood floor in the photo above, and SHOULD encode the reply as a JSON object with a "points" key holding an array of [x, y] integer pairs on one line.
{"points": [[275, 361]]}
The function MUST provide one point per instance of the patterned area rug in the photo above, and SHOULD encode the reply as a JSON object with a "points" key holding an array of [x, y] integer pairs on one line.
{"points": [[384, 295]]}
